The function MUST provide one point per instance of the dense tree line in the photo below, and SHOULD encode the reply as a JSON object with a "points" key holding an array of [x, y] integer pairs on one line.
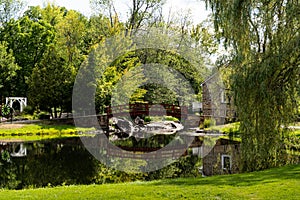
{"points": [[43, 48]]}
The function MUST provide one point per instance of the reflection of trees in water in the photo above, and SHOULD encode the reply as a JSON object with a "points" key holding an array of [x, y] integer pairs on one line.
{"points": [[156, 141], [55, 163], [67, 162]]}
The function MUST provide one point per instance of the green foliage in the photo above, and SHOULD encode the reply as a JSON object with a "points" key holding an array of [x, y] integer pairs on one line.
{"points": [[69, 38], [147, 119], [99, 28], [5, 110], [160, 118], [123, 77], [209, 123], [156, 141], [231, 129], [292, 145], [263, 38], [51, 83], [28, 110], [43, 115], [54, 39], [170, 118], [58, 68], [8, 68], [5, 156], [28, 40], [184, 167]]}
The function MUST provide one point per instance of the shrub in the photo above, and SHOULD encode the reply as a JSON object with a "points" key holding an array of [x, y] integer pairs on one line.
{"points": [[28, 110], [209, 123], [170, 118], [43, 115], [147, 119], [160, 118]]}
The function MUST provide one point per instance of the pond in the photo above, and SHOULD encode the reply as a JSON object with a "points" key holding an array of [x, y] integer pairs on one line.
{"points": [[38, 164], [66, 161]]}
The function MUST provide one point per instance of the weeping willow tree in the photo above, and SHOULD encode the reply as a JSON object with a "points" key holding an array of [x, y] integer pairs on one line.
{"points": [[264, 38]]}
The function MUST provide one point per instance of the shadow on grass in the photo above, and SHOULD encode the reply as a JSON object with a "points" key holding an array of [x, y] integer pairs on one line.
{"points": [[291, 172]]}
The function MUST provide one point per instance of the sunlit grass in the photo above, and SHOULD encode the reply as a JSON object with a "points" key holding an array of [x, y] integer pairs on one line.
{"points": [[278, 183], [226, 128], [38, 131]]}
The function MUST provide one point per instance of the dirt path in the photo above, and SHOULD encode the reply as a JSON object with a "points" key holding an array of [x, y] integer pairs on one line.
{"points": [[11, 126]]}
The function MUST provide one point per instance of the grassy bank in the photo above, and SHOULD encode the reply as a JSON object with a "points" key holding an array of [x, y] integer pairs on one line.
{"points": [[37, 131], [279, 183]]}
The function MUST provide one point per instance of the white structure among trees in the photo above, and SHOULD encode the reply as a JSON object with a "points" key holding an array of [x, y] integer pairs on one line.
{"points": [[22, 101]]}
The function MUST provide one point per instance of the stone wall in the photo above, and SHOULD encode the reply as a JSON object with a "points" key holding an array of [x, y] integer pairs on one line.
{"points": [[213, 107]]}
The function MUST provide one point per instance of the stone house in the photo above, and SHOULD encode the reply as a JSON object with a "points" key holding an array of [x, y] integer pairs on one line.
{"points": [[223, 158], [217, 102]]}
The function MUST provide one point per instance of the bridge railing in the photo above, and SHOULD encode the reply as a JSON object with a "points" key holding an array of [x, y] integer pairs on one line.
{"points": [[142, 110]]}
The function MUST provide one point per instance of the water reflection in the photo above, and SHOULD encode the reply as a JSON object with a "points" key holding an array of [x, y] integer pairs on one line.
{"points": [[39, 164], [67, 162]]}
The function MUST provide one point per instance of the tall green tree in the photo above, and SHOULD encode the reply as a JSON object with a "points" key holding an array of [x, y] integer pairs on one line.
{"points": [[142, 15], [99, 28], [51, 83], [70, 32], [264, 37], [60, 62], [8, 69], [28, 39]]}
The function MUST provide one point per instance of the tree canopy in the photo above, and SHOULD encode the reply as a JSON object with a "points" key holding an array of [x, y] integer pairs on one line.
{"points": [[44, 47], [264, 39]]}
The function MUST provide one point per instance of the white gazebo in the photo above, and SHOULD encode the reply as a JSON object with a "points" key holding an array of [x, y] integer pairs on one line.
{"points": [[22, 101], [19, 150]]}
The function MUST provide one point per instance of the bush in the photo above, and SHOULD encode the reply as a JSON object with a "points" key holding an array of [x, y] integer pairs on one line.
{"points": [[28, 110], [43, 115], [209, 123], [170, 118], [160, 118], [147, 119]]}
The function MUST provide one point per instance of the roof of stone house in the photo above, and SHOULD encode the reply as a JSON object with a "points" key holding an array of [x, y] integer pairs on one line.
{"points": [[208, 79], [211, 78]]}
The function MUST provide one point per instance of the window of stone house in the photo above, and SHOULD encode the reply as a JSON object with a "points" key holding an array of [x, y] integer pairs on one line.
{"points": [[226, 162], [223, 97]]}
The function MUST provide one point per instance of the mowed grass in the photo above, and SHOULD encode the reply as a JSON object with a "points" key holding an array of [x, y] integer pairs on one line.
{"points": [[40, 131], [279, 183]]}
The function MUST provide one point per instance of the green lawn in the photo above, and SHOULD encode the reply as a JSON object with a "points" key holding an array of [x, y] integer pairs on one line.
{"points": [[38, 131], [280, 183]]}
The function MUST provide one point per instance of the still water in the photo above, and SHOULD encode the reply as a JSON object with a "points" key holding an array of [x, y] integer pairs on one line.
{"points": [[44, 163], [67, 162]]}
